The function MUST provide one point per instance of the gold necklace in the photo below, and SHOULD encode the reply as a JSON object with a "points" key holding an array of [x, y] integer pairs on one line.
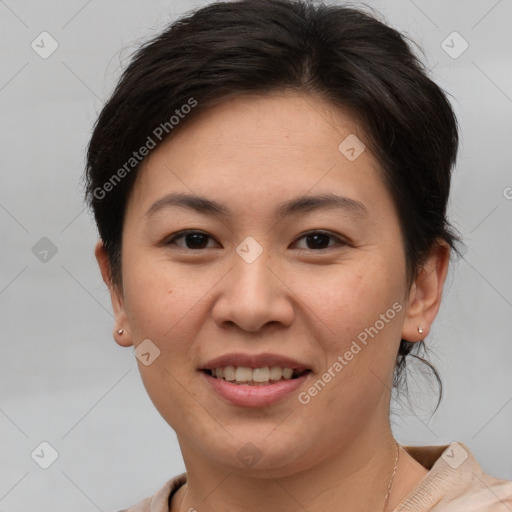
{"points": [[181, 501], [385, 499], [392, 478]]}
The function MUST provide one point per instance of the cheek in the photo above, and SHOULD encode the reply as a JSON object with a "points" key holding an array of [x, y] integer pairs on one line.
{"points": [[158, 292], [162, 306], [345, 300]]}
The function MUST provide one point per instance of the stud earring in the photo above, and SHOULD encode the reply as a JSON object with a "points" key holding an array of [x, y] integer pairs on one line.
{"points": [[120, 331], [420, 330]]}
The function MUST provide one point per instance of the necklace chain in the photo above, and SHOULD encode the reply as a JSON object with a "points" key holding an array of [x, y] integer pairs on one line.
{"points": [[392, 478], [385, 499]]}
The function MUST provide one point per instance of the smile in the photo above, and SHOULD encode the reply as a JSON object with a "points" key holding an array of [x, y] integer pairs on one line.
{"points": [[244, 375]]}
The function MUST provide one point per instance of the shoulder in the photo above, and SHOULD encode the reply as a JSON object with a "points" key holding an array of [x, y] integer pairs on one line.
{"points": [[456, 482], [486, 493], [159, 502]]}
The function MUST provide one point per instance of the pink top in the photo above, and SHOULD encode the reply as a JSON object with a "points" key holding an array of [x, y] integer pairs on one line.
{"points": [[455, 483]]}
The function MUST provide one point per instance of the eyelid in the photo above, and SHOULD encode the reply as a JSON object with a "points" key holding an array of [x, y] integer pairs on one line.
{"points": [[341, 241], [183, 233]]}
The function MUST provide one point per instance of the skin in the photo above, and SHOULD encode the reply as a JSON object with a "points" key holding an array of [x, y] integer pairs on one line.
{"points": [[251, 153]]}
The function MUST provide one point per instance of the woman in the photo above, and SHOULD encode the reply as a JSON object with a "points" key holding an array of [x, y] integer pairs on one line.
{"points": [[270, 181]]}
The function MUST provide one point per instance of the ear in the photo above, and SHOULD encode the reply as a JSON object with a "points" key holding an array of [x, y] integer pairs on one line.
{"points": [[426, 293], [116, 296]]}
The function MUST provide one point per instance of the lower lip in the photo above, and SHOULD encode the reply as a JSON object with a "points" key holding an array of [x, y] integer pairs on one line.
{"points": [[254, 396]]}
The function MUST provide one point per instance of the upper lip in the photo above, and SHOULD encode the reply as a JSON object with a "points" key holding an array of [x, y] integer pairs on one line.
{"points": [[254, 361]]}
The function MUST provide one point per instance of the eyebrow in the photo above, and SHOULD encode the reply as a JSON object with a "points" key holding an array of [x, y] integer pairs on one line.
{"points": [[298, 205]]}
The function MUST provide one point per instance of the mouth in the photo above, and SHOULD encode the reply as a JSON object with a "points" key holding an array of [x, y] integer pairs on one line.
{"points": [[255, 380], [263, 376]]}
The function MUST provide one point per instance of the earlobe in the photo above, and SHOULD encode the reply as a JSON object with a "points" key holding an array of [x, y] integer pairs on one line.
{"points": [[121, 330], [122, 338], [426, 293]]}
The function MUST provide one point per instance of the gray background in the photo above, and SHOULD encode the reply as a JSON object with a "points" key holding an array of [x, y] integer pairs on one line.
{"points": [[63, 378]]}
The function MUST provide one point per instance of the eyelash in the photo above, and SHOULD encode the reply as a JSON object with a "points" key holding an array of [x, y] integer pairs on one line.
{"points": [[182, 234]]}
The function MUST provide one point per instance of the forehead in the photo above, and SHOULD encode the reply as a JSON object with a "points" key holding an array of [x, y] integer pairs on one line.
{"points": [[269, 120], [261, 146]]}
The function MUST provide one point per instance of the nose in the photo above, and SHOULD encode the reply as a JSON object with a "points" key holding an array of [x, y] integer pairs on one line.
{"points": [[253, 295]]}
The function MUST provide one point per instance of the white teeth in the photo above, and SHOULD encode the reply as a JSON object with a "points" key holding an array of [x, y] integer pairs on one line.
{"points": [[229, 373], [276, 372], [261, 374], [243, 374], [287, 373]]}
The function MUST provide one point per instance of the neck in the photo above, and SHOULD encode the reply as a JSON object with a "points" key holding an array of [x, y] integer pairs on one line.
{"points": [[356, 475]]}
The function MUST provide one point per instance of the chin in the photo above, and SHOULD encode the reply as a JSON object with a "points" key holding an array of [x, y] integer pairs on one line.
{"points": [[259, 457]]}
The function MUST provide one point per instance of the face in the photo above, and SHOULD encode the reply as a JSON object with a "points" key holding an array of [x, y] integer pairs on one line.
{"points": [[265, 279]]}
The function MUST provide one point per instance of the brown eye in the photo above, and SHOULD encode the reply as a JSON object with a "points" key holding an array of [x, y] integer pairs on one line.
{"points": [[193, 239], [318, 240]]}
